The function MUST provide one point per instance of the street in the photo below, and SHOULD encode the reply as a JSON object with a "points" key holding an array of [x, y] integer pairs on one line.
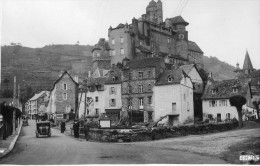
{"points": [[64, 149]]}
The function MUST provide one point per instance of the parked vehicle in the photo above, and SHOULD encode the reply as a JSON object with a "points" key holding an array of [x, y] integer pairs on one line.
{"points": [[25, 122], [43, 128]]}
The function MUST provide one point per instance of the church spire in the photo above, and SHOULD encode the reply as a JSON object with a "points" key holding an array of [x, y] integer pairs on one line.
{"points": [[247, 67]]}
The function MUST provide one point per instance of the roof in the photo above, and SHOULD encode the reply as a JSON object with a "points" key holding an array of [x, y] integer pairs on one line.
{"points": [[114, 76], [255, 73], [96, 81], [65, 72], [194, 47], [37, 95], [152, 3], [224, 89], [144, 63], [176, 56], [178, 20], [176, 74], [247, 62], [187, 68], [143, 49], [102, 44]]}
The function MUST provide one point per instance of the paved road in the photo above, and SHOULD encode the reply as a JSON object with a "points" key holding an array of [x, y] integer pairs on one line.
{"points": [[63, 149]]}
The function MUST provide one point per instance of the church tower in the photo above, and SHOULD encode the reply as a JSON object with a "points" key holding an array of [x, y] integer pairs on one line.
{"points": [[247, 67]]}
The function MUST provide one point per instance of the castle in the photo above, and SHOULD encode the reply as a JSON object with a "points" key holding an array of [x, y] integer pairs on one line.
{"points": [[150, 36]]}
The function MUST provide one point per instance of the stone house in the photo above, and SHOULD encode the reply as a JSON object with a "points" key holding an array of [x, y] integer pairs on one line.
{"points": [[150, 35], [63, 97], [139, 78], [173, 96], [216, 96], [37, 103]]}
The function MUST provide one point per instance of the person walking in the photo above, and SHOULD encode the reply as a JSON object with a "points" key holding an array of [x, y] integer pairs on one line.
{"points": [[86, 130], [62, 126], [76, 129]]}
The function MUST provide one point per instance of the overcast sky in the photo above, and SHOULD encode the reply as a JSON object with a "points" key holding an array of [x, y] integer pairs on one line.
{"points": [[222, 28]]}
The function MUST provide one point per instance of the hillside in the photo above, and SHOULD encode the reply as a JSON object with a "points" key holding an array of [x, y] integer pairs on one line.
{"points": [[40, 67], [220, 70]]}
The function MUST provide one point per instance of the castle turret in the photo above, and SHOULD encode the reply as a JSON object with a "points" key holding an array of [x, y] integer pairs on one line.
{"points": [[159, 12]]}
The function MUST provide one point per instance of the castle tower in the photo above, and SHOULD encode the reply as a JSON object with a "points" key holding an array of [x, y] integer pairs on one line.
{"points": [[247, 67], [159, 12]]}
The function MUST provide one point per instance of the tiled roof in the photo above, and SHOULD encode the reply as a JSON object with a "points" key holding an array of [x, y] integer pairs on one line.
{"points": [[36, 96], [143, 49], [65, 72], [247, 62], [176, 74], [224, 89], [120, 25], [152, 3], [96, 81], [144, 63], [116, 73], [255, 73], [178, 20], [194, 47]]}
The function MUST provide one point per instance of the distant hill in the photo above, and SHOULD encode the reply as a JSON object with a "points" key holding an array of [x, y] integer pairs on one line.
{"points": [[40, 67], [220, 70]]}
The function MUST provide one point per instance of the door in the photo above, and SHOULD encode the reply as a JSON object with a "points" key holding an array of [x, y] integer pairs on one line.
{"points": [[219, 117], [174, 108]]}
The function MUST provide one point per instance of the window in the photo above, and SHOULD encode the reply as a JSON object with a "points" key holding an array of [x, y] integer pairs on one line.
{"points": [[112, 102], [65, 86], [87, 111], [149, 88], [168, 40], [114, 79], [113, 41], [235, 89], [64, 96], [98, 54], [113, 52], [121, 40], [129, 89], [113, 90], [122, 51], [149, 99], [149, 73], [170, 79], [141, 101], [140, 87], [222, 103], [96, 99], [97, 111], [140, 75], [228, 116], [214, 91], [181, 36], [213, 103], [130, 103]]}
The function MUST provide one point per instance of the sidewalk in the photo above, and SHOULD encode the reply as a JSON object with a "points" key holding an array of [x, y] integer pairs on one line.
{"points": [[7, 145]]}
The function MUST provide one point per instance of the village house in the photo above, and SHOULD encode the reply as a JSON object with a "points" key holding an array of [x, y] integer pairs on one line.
{"points": [[139, 78], [216, 97], [37, 103], [63, 97], [173, 96], [149, 35]]}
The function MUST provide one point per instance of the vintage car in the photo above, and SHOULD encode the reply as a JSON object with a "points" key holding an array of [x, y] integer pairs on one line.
{"points": [[43, 128], [25, 122]]}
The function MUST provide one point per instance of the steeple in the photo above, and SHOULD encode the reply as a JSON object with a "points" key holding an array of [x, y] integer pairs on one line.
{"points": [[247, 67]]}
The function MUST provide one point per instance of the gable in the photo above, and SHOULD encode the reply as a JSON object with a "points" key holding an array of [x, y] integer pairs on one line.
{"points": [[194, 75]]}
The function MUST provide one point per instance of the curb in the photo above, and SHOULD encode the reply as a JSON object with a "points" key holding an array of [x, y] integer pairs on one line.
{"points": [[11, 146]]}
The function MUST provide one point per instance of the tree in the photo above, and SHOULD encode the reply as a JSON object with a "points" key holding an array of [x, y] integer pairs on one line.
{"points": [[256, 105], [238, 101], [7, 93]]}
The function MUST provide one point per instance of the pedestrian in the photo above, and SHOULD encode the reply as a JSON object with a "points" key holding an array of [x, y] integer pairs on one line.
{"points": [[62, 126], [76, 129], [86, 130]]}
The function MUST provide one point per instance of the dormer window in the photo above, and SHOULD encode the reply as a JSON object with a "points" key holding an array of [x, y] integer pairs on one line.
{"points": [[140, 75], [214, 91], [235, 89], [114, 79], [170, 79]]}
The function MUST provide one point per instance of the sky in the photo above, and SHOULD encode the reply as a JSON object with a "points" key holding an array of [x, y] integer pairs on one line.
{"points": [[222, 28]]}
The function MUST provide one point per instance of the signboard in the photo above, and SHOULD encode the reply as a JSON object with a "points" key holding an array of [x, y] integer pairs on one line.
{"points": [[59, 116], [105, 123]]}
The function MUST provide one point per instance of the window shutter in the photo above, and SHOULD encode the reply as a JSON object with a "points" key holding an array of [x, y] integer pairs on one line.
{"points": [[110, 103], [115, 103], [115, 90]]}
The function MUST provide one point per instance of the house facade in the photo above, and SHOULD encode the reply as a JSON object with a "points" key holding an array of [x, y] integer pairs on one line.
{"points": [[173, 96], [216, 97], [63, 97], [139, 78]]}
